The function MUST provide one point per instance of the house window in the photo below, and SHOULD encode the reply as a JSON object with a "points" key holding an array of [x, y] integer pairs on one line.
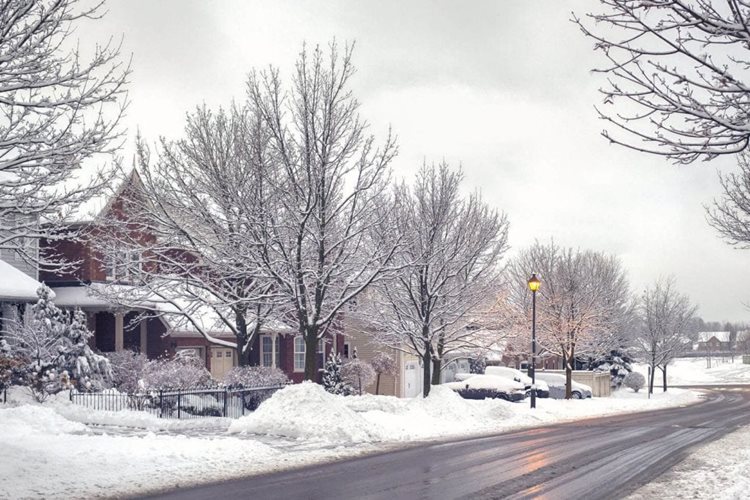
{"points": [[123, 265], [347, 350], [266, 349], [321, 354], [299, 354]]}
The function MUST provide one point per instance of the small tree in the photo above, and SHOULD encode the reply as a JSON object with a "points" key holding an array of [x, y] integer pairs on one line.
{"points": [[55, 351], [357, 374], [635, 381], [617, 363], [332, 380], [383, 364]]}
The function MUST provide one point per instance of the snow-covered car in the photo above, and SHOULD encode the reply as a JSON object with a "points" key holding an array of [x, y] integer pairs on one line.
{"points": [[556, 383], [488, 387], [542, 391]]}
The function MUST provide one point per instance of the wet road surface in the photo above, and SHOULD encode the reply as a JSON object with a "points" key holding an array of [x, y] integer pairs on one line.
{"points": [[598, 458]]}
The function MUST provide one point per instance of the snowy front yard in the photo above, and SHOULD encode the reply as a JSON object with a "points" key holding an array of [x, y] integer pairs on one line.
{"points": [[58, 450], [696, 371]]}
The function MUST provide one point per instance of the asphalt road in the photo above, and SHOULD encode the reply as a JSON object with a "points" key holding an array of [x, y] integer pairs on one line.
{"points": [[591, 459]]}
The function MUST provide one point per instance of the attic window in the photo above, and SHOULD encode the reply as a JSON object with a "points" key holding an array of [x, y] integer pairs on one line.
{"points": [[123, 265]]}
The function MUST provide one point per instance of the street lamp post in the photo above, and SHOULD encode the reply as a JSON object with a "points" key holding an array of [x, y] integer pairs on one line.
{"points": [[533, 286]]}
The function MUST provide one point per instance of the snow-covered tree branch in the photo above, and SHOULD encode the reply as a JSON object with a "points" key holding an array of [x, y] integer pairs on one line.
{"points": [[677, 79], [59, 108]]}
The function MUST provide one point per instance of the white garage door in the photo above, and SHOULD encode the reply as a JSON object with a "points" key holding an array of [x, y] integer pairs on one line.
{"points": [[222, 360]]}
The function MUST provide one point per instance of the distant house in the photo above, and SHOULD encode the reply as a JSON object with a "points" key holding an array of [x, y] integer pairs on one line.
{"points": [[714, 342]]}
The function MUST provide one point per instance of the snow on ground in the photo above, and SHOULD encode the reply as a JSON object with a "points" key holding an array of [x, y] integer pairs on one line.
{"points": [[688, 371], [718, 470], [59, 450]]}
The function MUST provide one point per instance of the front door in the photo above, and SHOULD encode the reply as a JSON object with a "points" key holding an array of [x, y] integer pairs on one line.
{"points": [[222, 360]]}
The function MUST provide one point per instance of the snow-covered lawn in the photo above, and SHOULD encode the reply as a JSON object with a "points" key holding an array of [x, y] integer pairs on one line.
{"points": [[59, 450], [718, 470], [687, 371]]}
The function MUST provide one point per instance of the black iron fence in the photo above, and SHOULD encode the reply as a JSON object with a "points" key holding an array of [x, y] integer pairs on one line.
{"points": [[180, 403]]}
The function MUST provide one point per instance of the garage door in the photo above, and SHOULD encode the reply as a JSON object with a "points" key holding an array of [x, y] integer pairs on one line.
{"points": [[222, 360]]}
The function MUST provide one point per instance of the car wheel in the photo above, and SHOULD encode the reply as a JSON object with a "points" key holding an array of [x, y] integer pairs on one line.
{"points": [[577, 395]]}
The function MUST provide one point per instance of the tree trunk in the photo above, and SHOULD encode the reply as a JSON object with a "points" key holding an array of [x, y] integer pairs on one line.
{"points": [[436, 365], [377, 385], [311, 354], [243, 349], [651, 378], [664, 377], [426, 373], [569, 375]]}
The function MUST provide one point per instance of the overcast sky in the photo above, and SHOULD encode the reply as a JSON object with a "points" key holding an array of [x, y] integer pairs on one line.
{"points": [[504, 88]]}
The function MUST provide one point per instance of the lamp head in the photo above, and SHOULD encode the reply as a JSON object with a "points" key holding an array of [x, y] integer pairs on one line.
{"points": [[534, 283]]}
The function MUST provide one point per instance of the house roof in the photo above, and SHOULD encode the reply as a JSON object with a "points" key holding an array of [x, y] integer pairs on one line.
{"points": [[720, 336], [96, 206], [16, 286]]}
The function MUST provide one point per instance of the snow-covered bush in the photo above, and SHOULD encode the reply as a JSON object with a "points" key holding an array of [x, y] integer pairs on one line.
{"points": [[635, 381], [477, 365], [332, 381], [617, 363], [185, 370], [127, 370], [54, 351], [254, 376], [358, 374], [383, 364]]}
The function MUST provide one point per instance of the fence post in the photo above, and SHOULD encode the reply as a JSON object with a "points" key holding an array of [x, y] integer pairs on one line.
{"points": [[179, 404], [161, 403], [243, 402], [225, 403]]}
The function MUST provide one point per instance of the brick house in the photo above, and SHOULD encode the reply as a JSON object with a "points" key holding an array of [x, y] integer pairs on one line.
{"points": [[147, 327], [714, 342]]}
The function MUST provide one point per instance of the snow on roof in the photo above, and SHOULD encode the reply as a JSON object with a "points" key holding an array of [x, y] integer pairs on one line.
{"points": [[720, 336], [93, 296], [16, 285]]}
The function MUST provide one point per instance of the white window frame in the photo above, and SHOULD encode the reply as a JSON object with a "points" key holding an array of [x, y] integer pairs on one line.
{"points": [[299, 362], [122, 265]]}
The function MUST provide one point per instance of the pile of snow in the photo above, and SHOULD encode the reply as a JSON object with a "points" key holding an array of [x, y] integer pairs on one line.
{"points": [[305, 411]]}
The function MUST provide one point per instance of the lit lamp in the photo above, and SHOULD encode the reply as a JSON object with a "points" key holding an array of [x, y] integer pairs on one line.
{"points": [[534, 284]]}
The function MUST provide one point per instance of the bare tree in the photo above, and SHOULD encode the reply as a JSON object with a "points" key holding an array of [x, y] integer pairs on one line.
{"points": [[178, 233], [59, 110], [582, 305], [666, 317], [730, 215], [449, 269], [677, 75], [326, 179]]}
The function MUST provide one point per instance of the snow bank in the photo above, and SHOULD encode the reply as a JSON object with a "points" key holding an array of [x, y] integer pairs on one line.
{"points": [[696, 371], [306, 411]]}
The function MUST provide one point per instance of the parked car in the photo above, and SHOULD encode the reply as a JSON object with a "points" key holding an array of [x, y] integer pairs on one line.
{"points": [[542, 390], [488, 386], [556, 383]]}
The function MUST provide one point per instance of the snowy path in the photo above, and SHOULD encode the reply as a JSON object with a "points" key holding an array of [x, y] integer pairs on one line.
{"points": [[597, 458]]}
